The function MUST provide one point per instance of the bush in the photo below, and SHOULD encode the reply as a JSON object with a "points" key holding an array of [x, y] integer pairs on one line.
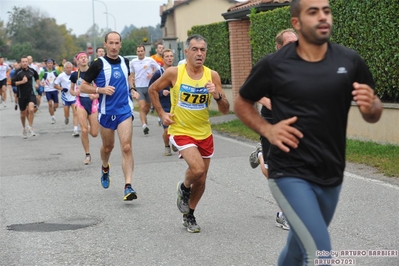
{"points": [[370, 27], [218, 54]]}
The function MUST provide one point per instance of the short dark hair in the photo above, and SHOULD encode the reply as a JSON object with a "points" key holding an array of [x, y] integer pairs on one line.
{"points": [[99, 47], [196, 37], [106, 36], [295, 8], [140, 45]]}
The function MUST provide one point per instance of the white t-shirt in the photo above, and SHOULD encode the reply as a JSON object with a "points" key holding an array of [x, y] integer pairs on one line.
{"points": [[3, 71], [64, 81], [141, 69], [48, 80], [35, 67]]}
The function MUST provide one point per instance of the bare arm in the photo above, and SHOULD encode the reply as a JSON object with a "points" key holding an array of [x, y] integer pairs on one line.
{"points": [[216, 90], [72, 90], [167, 79], [266, 102], [131, 80], [282, 134], [370, 105]]}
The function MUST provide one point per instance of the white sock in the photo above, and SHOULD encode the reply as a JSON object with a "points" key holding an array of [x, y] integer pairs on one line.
{"points": [[75, 128], [279, 214], [144, 125], [259, 154]]}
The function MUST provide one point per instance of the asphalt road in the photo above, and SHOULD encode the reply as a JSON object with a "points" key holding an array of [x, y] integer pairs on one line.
{"points": [[53, 210]]}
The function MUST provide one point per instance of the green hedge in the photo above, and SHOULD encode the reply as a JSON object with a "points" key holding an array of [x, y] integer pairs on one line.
{"points": [[370, 27], [264, 28], [218, 54]]}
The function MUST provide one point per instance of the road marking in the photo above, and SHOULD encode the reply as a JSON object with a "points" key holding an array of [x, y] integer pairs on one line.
{"points": [[367, 179]]}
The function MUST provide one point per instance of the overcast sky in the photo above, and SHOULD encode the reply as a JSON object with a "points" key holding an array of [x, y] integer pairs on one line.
{"points": [[78, 14]]}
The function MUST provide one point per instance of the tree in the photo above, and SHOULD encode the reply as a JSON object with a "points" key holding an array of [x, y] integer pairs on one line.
{"points": [[4, 47]]}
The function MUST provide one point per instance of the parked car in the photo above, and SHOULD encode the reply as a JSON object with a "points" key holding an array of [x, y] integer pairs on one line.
{"points": [[130, 57]]}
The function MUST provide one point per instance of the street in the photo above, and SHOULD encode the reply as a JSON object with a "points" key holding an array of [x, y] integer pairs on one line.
{"points": [[54, 211]]}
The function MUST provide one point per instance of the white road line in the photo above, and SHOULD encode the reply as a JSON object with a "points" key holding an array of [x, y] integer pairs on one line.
{"points": [[371, 180], [348, 174]]}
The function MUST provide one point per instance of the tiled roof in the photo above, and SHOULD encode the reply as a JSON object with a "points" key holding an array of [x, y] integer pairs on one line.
{"points": [[251, 3]]}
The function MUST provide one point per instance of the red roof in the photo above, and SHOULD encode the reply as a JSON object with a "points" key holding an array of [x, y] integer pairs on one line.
{"points": [[250, 3]]}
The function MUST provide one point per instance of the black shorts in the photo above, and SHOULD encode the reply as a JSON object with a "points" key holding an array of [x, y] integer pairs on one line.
{"points": [[3, 82], [24, 102]]}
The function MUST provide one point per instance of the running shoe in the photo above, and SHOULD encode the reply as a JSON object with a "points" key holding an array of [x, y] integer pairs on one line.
{"points": [[16, 107], [105, 178], [130, 194], [53, 120], [182, 199], [190, 223], [66, 120], [159, 122], [253, 157], [146, 130], [282, 222], [75, 133], [30, 132], [24, 133], [167, 152], [174, 148], [87, 160]]}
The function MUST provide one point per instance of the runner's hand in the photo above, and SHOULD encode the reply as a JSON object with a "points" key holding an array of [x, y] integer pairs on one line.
{"points": [[284, 135]]}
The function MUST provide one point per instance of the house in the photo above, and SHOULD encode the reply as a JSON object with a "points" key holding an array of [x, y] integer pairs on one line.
{"points": [[177, 17]]}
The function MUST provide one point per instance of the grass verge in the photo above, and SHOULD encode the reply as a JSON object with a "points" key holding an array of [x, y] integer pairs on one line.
{"points": [[385, 158]]}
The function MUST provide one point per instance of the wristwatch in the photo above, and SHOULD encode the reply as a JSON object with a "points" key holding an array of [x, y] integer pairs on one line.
{"points": [[220, 97]]}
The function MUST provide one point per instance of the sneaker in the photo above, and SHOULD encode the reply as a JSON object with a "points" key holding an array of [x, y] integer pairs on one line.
{"points": [[282, 222], [53, 120], [16, 107], [182, 199], [253, 158], [146, 130], [152, 109], [159, 122], [105, 178], [168, 152], [66, 120], [24, 133], [30, 132], [75, 133], [190, 223], [130, 194], [87, 160], [174, 148]]}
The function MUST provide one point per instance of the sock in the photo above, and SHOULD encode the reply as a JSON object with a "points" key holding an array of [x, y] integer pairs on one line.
{"points": [[279, 214], [52, 116], [75, 128], [105, 169], [127, 185], [183, 187], [88, 154], [167, 146], [191, 212], [259, 154], [144, 125]]}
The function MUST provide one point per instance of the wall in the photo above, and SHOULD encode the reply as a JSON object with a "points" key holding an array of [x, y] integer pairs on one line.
{"points": [[384, 131], [198, 12]]}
